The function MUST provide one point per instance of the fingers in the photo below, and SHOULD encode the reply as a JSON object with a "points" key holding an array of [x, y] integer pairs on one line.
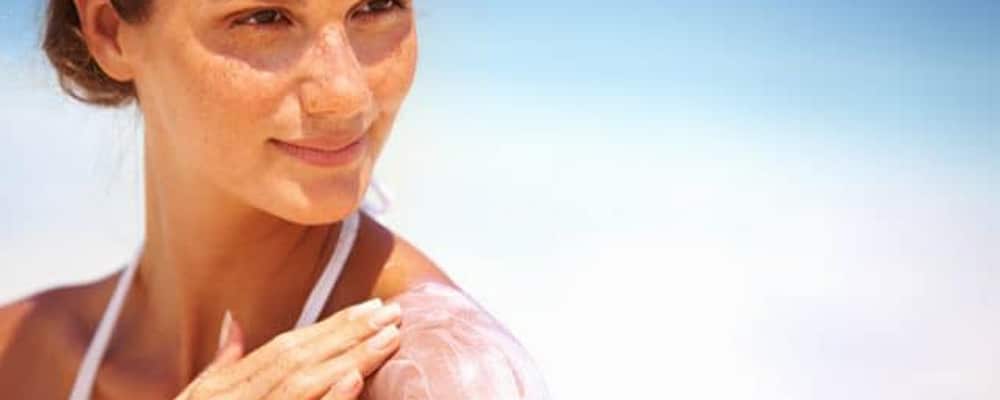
{"points": [[357, 330], [373, 308], [349, 388], [361, 360], [288, 354], [329, 340], [368, 357], [229, 352], [230, 344]]}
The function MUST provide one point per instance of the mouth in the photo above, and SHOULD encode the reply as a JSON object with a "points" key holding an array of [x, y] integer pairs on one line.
{"points": [[324, 151]]}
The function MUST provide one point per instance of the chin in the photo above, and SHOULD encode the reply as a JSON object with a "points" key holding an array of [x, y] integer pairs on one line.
{"points": [[317, 214], [308, 196], [318, 204]]}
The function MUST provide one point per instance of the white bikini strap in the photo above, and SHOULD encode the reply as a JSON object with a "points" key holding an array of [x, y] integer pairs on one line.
{"points": [[83, 385], [377, 200], [321, 291], [92, 359]]}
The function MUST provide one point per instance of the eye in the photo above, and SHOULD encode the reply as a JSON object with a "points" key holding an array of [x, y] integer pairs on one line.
{"points": [[374, 8], [263, 18]]}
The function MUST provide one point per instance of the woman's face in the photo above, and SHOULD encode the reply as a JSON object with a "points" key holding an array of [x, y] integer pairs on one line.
{"points": [[223, 83]]}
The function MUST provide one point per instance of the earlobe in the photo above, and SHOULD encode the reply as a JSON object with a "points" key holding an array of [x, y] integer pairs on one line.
{"points": [[100, 26]]}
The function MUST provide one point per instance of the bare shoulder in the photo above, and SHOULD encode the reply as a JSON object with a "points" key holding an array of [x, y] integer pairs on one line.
{"points": [[402, 266], [41, 336], [451, 347], [32, 317], [12, 317]]}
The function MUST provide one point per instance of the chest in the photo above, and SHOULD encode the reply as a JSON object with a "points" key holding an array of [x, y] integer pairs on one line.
{"points": [[45, 366]]}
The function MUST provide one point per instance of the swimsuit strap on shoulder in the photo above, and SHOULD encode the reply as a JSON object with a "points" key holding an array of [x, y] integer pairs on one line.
{"points": [[95, 352], [83, 385], [321, 291]]}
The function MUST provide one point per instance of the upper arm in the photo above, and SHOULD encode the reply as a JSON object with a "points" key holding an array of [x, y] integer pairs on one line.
{"points": [[451, 348], [32, 345], [11, 318], [404, 268]]}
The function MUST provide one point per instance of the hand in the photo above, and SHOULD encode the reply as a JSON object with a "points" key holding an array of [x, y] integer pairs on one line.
{"points": [[327, 360]]}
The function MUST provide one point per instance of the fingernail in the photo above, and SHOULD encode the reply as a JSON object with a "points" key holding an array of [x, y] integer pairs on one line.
{"points": [[365, 308], [349, 384], [385, 316], [383, 338], [227, 321]]}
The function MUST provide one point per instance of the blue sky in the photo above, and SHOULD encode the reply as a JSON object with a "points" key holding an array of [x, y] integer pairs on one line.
{"points": [[750, 200], [913, 77], [908, 70]]}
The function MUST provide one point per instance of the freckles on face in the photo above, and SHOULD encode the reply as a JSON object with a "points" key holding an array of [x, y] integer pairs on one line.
{"points": [[389, 71], [258, 75], [222, 92], [217, 110], [391, 68]]}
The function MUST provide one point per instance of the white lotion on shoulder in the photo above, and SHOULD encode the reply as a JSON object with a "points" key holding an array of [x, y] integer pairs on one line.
{"points": [[452, 349]]}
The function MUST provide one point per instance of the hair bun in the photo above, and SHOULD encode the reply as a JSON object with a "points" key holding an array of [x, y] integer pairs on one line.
{"points": [[79, 74]]}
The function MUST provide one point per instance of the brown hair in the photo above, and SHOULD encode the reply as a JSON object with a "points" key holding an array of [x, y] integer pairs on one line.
{"points": [[78, 72]]}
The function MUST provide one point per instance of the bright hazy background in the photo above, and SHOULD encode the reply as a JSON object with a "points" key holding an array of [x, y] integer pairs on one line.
{"points": [[729, 200]]}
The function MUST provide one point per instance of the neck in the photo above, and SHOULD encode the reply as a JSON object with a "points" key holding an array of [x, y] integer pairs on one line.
{"points": [[206, 252]]}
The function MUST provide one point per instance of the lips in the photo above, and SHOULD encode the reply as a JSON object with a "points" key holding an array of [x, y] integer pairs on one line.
{"points": [[324, 151], [322, 143]]}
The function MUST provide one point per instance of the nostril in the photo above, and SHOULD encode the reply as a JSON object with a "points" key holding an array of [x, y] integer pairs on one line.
{"points": [[339, 96], [359, 122]]}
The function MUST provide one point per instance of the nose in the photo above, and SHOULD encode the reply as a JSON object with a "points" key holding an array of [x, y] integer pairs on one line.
{"points": [[335, 82]]}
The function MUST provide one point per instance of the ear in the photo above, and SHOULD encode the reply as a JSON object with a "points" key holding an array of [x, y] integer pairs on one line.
{"points": [[99, 26]]}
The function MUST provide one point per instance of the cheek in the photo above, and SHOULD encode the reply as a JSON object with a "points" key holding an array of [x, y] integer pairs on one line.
{"points": [[390, 75], [222, 109], [219, 109], [235, 93], [390, 79]]}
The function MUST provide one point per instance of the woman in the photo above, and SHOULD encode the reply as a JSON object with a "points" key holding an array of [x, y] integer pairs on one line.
{"points": [[263, 120]]}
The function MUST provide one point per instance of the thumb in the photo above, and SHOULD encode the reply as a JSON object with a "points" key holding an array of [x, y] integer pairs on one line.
{"points": [[230, 343], [230, 351]]}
